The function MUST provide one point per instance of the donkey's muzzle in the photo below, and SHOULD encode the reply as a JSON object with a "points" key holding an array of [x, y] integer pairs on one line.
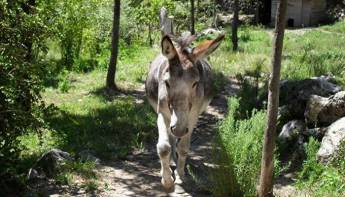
{"points": [[178, 133]]}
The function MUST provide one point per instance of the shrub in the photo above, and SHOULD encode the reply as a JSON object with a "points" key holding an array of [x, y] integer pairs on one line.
{"points": [[23, 27], [241, 146]]}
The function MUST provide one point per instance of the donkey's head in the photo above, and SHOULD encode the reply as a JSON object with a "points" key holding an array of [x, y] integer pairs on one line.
{"points": [[180, 86]]}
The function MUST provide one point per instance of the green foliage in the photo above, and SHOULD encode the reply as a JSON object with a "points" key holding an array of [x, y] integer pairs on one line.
{"points": [[85, 170], [240, 151], [322, 180], [64, 82], [146, 14], [78, 28], [65, 178], [336, 9], [23, 27], [90, 185]]}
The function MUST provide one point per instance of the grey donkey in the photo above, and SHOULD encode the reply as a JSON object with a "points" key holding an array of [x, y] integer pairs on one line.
{"points": [[179, 88]]}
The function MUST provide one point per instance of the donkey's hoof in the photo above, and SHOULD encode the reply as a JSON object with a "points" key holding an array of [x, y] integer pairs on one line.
{"points": [[179, 189], [180, 177], [168, 184]]}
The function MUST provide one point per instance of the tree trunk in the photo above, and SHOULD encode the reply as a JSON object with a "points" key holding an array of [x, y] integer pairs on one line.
{"points": [[214, 20], [197, 9], [192, 19], [266, 177], [110, 83], [149, 36], [166, 23], [26, 98], [234, 36]]}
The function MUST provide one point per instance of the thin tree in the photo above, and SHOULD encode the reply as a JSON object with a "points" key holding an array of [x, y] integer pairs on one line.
{"points": [[192, 18], [234, 28], [110, 83], [267, 166]]}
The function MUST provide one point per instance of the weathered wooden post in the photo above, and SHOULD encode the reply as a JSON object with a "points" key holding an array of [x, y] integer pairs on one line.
{"points": [[267, 165], [166, 22]]}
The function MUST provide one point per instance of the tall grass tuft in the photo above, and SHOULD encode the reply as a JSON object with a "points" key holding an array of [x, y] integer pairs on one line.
{"points": [[240, 148]]}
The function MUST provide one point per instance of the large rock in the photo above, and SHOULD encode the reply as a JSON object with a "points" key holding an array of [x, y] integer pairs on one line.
{"points": [[49, 164], [87, 155], [226, 19], [210, 31], [317, 133], [294, 95], [332, 140], [301, 90], [325, 110], [291, 131]]}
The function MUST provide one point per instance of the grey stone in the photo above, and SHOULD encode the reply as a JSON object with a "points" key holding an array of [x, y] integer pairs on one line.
{"points": [[317, 133], [291, 131], [294, 95], [211, 31], [87, 155], [325, 110], [49, 164], [332, 140], [226, 19]]}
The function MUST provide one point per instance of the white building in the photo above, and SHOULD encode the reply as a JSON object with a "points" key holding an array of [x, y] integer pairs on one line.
{"points": [[302, 13]]}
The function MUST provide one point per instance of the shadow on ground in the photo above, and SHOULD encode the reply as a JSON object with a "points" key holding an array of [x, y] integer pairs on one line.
{"points": [[113, 130], [124, 122]]}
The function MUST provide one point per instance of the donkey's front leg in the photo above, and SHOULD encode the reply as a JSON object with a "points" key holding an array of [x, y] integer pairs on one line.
{"points": [[164, 151], [183, 147]]}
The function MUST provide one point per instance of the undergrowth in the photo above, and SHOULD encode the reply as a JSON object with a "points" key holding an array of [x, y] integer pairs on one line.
{"points": [[239, 154], [321, 180]]}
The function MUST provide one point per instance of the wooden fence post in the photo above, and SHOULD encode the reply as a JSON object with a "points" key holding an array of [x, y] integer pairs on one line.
{"points": [[166, 22]]}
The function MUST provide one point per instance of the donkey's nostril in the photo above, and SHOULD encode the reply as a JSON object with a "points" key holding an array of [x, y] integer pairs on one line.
{"points": [[186, 131], [173, 128]]}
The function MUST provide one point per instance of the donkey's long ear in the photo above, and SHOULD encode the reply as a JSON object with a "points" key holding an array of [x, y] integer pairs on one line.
{"points": [[168, 49], [206, 48]]}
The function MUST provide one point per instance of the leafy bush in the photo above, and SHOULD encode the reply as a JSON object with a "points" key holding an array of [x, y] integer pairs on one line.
{"points": [[64, 82], [22, 28], [241, 145], [336, 9]]}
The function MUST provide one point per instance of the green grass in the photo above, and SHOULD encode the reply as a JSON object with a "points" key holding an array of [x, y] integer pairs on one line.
{"points": [[134, 64], [314, 53], [74, 171], [322, 180], [338, 27], [305, 55], [88, 118], [254, 48]]}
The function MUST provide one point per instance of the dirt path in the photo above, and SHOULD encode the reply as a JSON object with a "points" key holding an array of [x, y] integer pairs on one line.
{"points": [[138, 175]]}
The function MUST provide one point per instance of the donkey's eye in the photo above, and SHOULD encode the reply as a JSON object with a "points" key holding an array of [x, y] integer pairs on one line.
{"points": [[167, 84], [194, 84]]}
